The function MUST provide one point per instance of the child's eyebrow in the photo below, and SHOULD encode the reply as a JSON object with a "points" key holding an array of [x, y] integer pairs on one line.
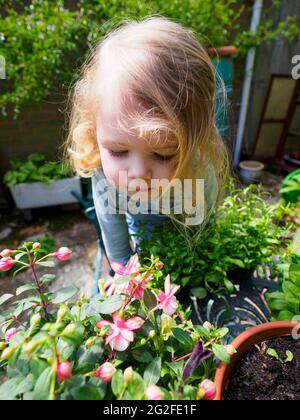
{"points": [[110, 142]]}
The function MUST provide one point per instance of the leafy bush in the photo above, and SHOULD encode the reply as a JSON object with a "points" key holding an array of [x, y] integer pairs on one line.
{"points": [[285, 304], [128, 342], [44, 42], [243, 233], [35, 169]]}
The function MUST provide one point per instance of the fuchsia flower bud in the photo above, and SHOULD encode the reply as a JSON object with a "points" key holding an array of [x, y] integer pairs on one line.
{"points": [[36, 245], [63, 254], [64, 371], [207, 325], [106, 372], [6, 253], [153, 393], [159, 265], [10, 334], [209, 389], [6, 264]]}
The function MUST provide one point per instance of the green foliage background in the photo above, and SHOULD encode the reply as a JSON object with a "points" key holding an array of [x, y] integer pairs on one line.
{"points": [[44, 43]]}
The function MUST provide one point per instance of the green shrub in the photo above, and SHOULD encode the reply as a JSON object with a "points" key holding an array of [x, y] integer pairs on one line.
{"points": [[243, 233], [35, 169], [285, 304], [44, 43]]}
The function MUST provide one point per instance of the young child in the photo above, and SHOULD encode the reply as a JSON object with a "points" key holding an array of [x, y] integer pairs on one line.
{"points": [[144, 107]]}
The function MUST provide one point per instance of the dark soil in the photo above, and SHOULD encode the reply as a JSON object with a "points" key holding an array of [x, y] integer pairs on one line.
{"points": [[258, 376]]}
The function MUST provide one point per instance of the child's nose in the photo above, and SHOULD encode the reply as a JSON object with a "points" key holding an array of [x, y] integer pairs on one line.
{"points": [[139, 168]]}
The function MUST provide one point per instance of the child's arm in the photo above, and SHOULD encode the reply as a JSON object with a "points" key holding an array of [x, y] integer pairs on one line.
{"points": [[114, 227]]}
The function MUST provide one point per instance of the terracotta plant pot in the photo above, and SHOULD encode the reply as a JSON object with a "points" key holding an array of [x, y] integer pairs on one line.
{"points": [[245, 342]]}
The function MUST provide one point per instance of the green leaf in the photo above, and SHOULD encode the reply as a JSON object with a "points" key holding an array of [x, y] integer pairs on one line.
{"points": [[142, 355], [137, 387], [153, 372], [223, 332], [43, 385], [47, 278], [25, 288], [285, 316], [88, 357], [203, 332], [273, 353], [122, 279], [8, 389], [229, 285], [117, 383], [63, 294], [294, 273], [183, 337], [199, 292], [149, 299], [289, 356], [86, 393], [49, 264], [221, 353], [110, 305], [5, 298]]}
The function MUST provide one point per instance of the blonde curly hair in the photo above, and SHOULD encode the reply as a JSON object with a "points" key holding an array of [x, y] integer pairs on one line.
{"points": [[164, 67]]}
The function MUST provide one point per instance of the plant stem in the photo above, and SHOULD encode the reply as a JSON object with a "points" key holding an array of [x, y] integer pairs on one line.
{"points": [[182, 358], [20, 323], [39, 290]]}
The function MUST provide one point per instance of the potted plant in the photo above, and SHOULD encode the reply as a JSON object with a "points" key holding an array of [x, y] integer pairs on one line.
{"points": [[264, 366], [36, 183], [130, 341]]}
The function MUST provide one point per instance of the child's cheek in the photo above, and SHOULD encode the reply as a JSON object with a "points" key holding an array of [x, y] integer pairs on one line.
{"points": [[110, 167]]}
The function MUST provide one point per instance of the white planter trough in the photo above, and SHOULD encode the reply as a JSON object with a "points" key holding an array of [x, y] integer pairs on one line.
{"points": [[251, 171], [37, 194]]}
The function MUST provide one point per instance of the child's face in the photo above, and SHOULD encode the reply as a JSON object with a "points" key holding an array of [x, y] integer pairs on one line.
{"points": [[136, 156]]}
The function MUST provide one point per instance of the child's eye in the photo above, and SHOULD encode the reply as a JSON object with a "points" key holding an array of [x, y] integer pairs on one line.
{"points": [[163, 158], [118, 154]]}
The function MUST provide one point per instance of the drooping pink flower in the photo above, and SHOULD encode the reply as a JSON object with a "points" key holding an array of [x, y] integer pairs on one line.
{"points": [[6, 253], [130, 268], [209, 389], [135, 286], [63, 254], [167, 300], [121, 333], [6, 263], [64, 371], [106, 372], [153, 393], [10, 334]]}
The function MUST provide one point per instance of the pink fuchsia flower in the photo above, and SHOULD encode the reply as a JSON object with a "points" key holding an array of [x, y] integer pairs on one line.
{"points": [[106, 372], [6, 263], [154, 393], [63, 254], [130, 268], [6, 253], [64, 371], [207, 389], [10, 334], [135, 286], [167, 300], [121, 332]]}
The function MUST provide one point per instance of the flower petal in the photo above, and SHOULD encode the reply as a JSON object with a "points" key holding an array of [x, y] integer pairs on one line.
{"points": [[119, 343], [118, 268], [167, 284], [134, 323]]}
